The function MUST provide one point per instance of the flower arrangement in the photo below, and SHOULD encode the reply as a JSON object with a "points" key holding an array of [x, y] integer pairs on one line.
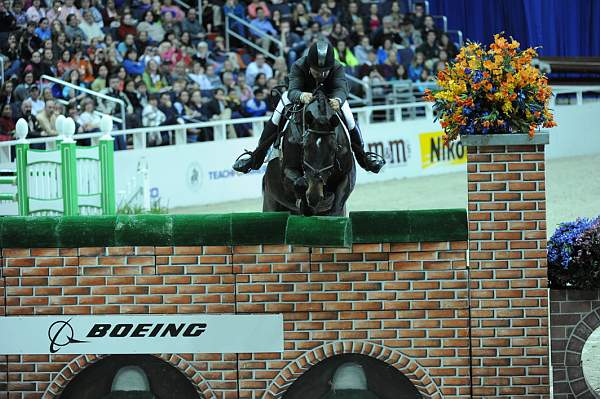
{"points": [[574, 254], [495, 90]]}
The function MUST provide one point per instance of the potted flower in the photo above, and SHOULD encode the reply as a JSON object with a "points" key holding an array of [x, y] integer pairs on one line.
{"points": [[492, 91]]}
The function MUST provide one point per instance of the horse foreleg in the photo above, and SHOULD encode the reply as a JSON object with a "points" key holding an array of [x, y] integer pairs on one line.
{"points": [[341, 196]]}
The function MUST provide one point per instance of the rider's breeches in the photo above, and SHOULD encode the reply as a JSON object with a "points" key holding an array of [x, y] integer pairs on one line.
{"points": [[276, 118]]}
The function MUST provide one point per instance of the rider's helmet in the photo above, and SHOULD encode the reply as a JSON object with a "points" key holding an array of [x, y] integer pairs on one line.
{"points": [[320, 59]]}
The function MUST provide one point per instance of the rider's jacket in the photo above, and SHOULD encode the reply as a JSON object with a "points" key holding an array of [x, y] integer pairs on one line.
{"points": [[334, 86]]}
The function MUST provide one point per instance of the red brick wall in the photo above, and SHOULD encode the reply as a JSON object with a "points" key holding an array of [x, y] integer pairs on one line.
{"points": [[507, 251], [405, 304]]}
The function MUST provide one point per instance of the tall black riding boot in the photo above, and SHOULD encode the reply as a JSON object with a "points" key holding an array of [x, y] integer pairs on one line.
{"points": [[369, 161], [257, 157]]}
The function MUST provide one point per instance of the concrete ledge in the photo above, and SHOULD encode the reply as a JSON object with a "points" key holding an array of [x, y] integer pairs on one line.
{"points": [[475, 140]]}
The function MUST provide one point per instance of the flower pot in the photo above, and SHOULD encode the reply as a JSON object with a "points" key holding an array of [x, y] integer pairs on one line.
{"points": [[504, 139]]}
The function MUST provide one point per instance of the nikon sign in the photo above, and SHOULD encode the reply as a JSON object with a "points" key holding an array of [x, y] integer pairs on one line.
{"points": [[435, 153], [141, 334]]}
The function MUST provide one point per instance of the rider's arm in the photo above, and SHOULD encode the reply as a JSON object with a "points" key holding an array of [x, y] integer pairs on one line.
{"points": [[340, 84], [296, 84]]}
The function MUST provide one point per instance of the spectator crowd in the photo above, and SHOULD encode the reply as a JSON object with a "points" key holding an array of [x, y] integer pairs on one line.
{"points": [[168, 68]]}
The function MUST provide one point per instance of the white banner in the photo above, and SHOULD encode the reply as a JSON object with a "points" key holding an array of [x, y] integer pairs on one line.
{"points": [[130, 334]]}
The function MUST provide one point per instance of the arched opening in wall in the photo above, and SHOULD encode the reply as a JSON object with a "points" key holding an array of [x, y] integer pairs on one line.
{"points": [[130, 377], [352, 376]]}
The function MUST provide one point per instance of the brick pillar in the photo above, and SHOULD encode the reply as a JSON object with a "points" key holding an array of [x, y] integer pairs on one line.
{"points": [[508, 271]]}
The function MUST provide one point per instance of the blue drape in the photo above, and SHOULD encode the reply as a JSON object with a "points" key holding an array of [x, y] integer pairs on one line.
{"points": [[560, 27]]}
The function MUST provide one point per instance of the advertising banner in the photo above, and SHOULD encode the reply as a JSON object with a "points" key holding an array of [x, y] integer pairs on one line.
{"points": [[141, 334], [437, 157]]}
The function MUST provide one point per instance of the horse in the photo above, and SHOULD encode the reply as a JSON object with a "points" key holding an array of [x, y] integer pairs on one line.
{"points": [[315, 172]]}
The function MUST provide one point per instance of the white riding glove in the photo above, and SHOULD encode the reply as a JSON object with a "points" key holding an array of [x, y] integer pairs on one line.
{"points": [[306, 97], [334, 103]]}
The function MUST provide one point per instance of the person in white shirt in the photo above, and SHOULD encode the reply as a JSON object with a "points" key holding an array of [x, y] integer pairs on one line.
{"points": [[256, 67], [37, 103], [89, 120], [90, 28], [153, 117], [199, 77]]}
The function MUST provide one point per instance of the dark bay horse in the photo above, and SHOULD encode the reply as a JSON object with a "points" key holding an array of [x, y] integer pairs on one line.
{"points": [[315, 172]]}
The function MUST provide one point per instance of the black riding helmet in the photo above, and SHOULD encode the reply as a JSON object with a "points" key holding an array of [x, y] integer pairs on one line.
{"points": [[320, 58]]}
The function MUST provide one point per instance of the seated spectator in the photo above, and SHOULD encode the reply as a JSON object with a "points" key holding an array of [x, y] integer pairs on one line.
{"points": [[6, 95], [60, 43], [260, 83], [89, 120], [301, 21], [256, 5], [257, 106], [325, 18], [387, 31], [32, 123], [417, 18], [361, 51], [46, 120], [69, 93], [90, 28], [22, 91], [114, 109], [218, 109], [203, 55], [351, 16], [192, 26], [258, 66], [401, 73], [43, 31], [396, 14], [448, 46], [29, 43], [37, 103], [429, 48], [127, 44], [245, 91], [132, 65], [339, 32], [170, 25], [429, 26], [169, 8], [386, 51], [53, 13], [312, 34], [48, 63], [96, 14], [198, 76], [73, 30], [153, 79], [139, 8], [19, 15], [35, 13], [65, 64], [416, 67], [37, 67], [410, 37], [213, 78], [86, 72], [152, 26], [127, 26], [344, 55], [7, 124], [280, 70], [152, 116], [292, 43], [373, 21], [263, 28], [69, 9], [167, 108], [99, 83]]}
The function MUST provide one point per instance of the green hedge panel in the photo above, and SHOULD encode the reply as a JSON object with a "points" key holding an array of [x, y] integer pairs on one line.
{"points": [[86, 231], [202, 229], [258, 228], [319, 231]]}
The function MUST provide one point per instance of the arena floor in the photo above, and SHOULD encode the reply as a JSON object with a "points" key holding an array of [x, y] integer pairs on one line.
{"points": [[573, 190]]}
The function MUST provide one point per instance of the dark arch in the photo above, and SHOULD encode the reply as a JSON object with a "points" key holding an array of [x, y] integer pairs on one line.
{"points": [[384, 380], [580, 334], [88, 369]]}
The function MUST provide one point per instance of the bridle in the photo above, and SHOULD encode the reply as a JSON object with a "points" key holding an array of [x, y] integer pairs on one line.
{"points": [[314, 172]]}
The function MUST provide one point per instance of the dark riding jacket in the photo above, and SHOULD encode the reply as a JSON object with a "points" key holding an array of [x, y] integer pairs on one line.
{"points": [[335, 85]]}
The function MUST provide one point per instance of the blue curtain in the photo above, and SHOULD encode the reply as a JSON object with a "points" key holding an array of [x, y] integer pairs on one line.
{"points": [[560, 27]]}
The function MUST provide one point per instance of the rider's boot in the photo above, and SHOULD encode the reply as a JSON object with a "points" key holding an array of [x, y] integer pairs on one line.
{"points": [[257, 157], [367, 160]]}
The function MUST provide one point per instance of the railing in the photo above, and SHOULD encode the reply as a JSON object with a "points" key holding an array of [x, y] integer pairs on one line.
{"points": [[459, 36], [231, 32], [364, 115], [1, 70], [137, 193], [122, 120], [444, 21]]}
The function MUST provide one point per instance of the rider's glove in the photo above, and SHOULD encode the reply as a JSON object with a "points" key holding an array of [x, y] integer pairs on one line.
{"points": [[306, 97], [334, 103]]}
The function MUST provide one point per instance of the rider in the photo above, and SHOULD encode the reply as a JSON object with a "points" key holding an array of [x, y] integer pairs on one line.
{"points": [[317, 67]]}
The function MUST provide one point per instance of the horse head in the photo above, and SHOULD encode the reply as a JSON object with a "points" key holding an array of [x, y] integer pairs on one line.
{"points": [[319, 147]]}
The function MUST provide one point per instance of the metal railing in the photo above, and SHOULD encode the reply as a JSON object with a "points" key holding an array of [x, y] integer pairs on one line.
{"points": [[459, 36], [230, 32], [444, 21], [120, 102]]}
